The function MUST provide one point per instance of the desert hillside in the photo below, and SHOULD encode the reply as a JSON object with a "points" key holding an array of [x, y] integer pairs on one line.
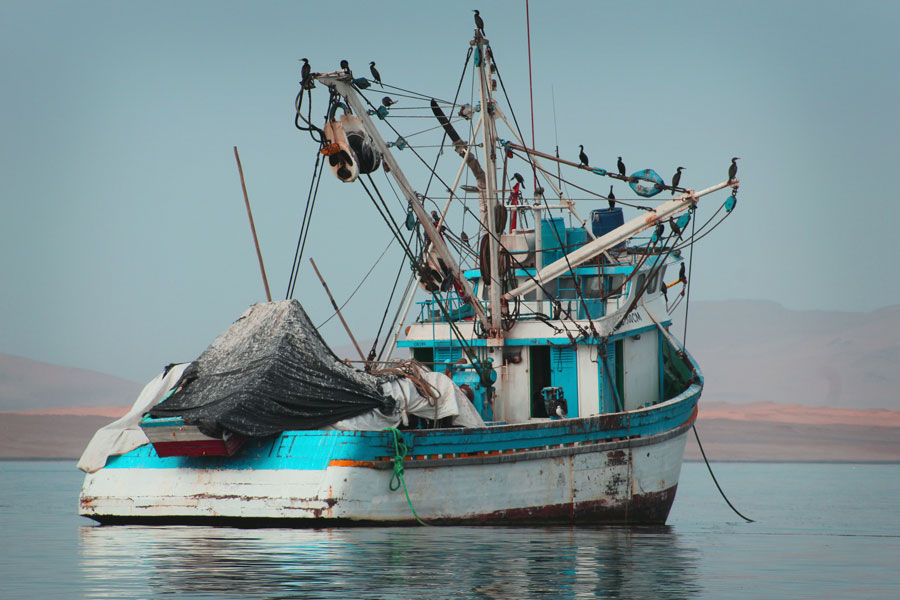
{"points": [[756, 351], [27, 384]]}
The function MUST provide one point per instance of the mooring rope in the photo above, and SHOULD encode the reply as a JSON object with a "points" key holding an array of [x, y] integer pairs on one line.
{"points": [[397, 480], [711, 474]]}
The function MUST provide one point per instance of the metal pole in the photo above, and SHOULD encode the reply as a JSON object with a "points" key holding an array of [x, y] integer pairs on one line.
{"points": [[338, 311], [252, 226], [346, 90], [490, 191]]}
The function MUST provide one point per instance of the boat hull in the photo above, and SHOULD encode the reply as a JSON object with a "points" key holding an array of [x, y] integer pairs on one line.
{"points": [[616, 468]]}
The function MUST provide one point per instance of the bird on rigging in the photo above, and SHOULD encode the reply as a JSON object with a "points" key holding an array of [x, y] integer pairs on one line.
{"points": [[375, 74], [345, 65], [611, 198], [518, 177], [305, 71], [732, 170], [621, 166], [582, 156], [479, 23], [660, 230], [675, 228], [676, 179], [388, 102]]}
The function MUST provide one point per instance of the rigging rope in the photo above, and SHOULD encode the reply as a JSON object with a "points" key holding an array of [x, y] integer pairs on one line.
{"points": [[366, 276], [304, 225]]}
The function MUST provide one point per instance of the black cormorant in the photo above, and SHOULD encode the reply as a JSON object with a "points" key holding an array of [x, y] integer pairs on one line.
{"points": [[732, 170], [611, 198], [375, 74], [387, 102], [518, 177], [682, 276], [582, 156], [345, 65], [660, 231], [479, 23], [676, 178], [621, 166], [675, 228], [305, 71]]}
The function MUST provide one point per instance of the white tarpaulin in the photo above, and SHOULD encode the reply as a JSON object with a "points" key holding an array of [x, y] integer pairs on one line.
{"points": [[125, 434], [450, 402]]}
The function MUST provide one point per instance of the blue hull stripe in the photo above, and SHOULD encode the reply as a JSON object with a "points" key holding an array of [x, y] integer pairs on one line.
{"points": [[314, 450]]}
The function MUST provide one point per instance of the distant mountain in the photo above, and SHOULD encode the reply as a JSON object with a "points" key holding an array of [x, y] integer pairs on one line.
{"points": [[758, 351], [749, 351], [27, 384]]}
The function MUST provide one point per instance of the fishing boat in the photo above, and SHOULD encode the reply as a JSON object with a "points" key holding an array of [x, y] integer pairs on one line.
{"points": [[543, 382]]}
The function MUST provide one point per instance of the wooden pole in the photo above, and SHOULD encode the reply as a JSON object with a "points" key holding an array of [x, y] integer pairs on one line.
{"points": [[252, 226], [338, 311]]}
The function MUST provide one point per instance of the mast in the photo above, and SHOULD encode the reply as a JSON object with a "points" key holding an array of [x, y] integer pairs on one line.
{"points": [[342, 83], [489, 199]]}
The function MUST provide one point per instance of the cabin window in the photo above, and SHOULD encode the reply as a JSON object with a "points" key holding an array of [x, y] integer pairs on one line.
{"points": [[590, 286], [662, 277], [614, 284], [566, 290], [651, 287], [640, 282]]}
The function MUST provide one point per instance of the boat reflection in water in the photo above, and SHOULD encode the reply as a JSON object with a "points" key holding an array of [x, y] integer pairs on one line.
{"points": [[431, 562]]}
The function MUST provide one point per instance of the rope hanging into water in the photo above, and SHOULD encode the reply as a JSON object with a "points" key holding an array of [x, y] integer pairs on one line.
{"points": [[397, 480], [711, 474]]}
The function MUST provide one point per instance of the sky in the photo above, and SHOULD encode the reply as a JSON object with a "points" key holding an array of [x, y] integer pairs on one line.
{"points": [[124, 241]]}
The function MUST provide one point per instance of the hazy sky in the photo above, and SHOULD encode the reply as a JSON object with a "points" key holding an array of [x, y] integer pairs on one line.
{"points": [[125, 242]]}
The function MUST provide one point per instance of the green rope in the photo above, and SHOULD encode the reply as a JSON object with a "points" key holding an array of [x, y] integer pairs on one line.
{"points": [[397, 481]]}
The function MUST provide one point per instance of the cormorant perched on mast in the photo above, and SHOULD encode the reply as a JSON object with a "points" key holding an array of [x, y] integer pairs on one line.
{"points": [[375, 74], [675, 228], [621, 166], [611, 198], [518, 177], [388, 102], [479, 23], [732, 170], [345, 65], [676, 178], [582, 156], [305, 71]]}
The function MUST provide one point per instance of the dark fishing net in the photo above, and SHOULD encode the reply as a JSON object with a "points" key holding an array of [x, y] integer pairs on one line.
{"points": [[269, 372]]}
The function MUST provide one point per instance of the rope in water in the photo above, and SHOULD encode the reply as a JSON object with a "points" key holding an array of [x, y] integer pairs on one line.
{"points": [[397, 481], [711, 474]]}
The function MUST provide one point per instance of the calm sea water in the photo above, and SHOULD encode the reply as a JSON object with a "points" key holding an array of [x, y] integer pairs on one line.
{"points": [[821, 531]]}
